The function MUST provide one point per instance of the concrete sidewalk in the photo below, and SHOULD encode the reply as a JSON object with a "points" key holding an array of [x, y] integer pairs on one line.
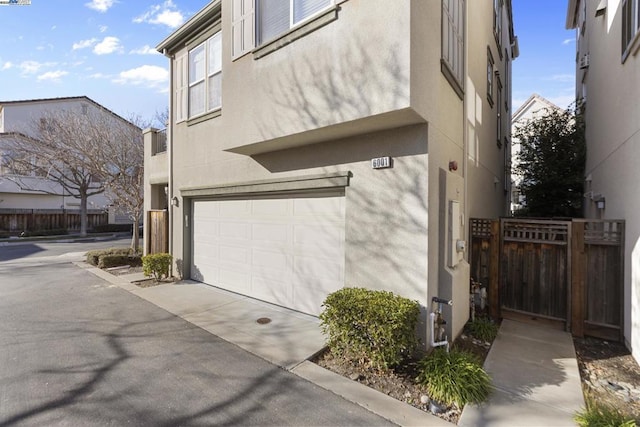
{"points": [[534, 370], [536, 378]]}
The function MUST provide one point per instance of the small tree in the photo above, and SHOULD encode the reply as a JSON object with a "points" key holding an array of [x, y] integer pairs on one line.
{"points": [[52, 158], [551, 163]]}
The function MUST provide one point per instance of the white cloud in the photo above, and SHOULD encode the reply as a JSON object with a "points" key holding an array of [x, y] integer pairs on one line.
{"points": [[82, 44], [7, 65], [563, 101], [30, 67], [162, 14], [53, 76], [103, 28], [566, 78], [146, 75], [569, 41], [100, 5], [145, 50], [107, 45]]}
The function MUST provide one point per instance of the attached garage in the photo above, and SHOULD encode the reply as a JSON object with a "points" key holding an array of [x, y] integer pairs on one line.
{"points": [[286, 250]]}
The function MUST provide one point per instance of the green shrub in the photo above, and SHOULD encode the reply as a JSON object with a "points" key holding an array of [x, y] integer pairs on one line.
{"points": [[156, 265], [599, 415], [93, 257], [483, 328], [372, 327], [116, 260], [454, 377]]}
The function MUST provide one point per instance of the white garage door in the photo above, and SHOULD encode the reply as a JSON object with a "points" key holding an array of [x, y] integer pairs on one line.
{"points": [[287, 251]]}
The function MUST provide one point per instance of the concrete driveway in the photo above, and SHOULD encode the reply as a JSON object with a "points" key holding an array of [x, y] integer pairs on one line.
{"points": [[77, 351]]}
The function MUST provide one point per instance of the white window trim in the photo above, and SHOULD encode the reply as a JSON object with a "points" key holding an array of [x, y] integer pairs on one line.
{"points": [[292, 25], [452, 62], [204, 80]]}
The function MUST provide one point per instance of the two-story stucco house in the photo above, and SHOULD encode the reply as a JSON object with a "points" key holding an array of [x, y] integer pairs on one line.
{"points": [[22, 189], [317, 144], [608, 82]]}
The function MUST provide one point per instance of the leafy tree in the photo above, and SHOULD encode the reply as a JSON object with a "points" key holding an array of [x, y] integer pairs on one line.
{"points": [[551, 163]]}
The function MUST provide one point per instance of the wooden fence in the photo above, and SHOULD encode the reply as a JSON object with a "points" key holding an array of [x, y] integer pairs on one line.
{"points": [[566, 274], [15, 221], [158, 223]]}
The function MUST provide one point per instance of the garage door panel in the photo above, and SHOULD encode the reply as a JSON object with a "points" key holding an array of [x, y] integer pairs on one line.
{"points": [[234, 208], [271, 233], [287, 251], [233, 279], [234, 230], [234, 254], [278, 208]]}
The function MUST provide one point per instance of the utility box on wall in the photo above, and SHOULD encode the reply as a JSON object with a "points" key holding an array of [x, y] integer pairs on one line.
{"points": [[455, 245]]}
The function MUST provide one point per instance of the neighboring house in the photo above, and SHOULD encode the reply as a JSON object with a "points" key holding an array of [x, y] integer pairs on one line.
{"points": [[341, 143], [22, 189], [608, 82], [534, 107]]}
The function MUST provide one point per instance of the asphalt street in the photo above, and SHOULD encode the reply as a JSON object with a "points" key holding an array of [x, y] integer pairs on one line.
{"points": [[78, 351]]}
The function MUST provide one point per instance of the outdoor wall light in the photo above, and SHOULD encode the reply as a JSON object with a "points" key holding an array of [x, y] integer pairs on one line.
{"points": [[600, 203], [175, 202]]}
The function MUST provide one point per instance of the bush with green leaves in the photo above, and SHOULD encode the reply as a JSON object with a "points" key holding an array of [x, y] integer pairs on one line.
{"points": [[600, 415], [372, 327], [156, 265], [483, 328], [454, 378], [93, 257], [116, 260]]}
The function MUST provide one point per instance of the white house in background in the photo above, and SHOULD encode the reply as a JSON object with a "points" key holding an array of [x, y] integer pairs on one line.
{"points": [[534, 107], [608, 82], [19, 189], [318, 144]]}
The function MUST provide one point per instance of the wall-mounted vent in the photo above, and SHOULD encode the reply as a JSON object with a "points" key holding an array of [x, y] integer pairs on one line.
{"points": [[584, 61]]}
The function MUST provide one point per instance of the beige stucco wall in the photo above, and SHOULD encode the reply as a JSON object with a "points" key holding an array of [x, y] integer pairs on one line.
{"points": [[331, 102], [613, 144]]}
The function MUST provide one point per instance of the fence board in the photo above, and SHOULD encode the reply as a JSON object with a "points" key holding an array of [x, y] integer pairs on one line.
{"points": [[158, 232]]}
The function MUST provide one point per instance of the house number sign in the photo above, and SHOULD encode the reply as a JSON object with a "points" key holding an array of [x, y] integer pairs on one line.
{"points": [[381, 162]]}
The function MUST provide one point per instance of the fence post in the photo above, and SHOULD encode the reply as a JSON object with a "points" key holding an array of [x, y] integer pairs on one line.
{"points": [[578, 268], [494, 270]]}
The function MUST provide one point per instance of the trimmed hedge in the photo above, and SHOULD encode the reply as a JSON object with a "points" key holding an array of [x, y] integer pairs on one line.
{"points": [[112, 260], [372, 327], [93, 257], [52, 232], [112, 228], [156, 265]]}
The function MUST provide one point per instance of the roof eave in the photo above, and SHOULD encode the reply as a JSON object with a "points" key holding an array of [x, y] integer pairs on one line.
{"points": [[571, 14]]}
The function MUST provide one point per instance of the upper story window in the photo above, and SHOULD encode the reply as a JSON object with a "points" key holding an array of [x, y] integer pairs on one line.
{"points": [[275, 17], [453, 12], [205, 77], [497, 22], [630, 25]]}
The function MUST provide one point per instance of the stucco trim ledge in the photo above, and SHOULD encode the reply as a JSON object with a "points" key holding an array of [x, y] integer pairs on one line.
{"points": [[290, 184]]}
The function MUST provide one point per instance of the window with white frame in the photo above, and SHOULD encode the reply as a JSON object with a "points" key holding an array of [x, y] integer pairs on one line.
{"points": [[205, 76], [497, 22], [630, 25], [453, 12], [275, 17], [499, 110]]}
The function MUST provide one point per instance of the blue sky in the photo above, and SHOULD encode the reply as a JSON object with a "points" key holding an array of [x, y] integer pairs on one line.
{"points": [[104, 49], [546, 65]]}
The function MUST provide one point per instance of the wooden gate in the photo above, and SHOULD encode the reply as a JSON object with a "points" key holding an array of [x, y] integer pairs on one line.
{"points": [[534, 271], [565, 274], [158, 234]]}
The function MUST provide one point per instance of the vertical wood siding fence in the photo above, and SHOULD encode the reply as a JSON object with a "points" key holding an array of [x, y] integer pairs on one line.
{"points": [[15, 221], [565, 274], [158, 221]]}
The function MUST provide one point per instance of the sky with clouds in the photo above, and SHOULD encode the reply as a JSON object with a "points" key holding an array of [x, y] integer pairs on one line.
{"points": [[105, 49]]}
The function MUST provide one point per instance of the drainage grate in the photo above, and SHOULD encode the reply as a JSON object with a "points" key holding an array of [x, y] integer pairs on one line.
{"points": [[263, 320]]}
